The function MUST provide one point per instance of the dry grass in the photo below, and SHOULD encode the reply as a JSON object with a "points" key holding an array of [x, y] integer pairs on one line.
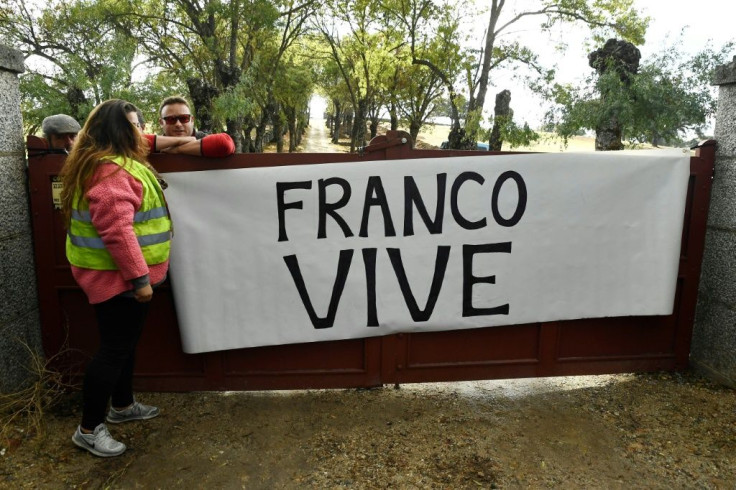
{"points": [[435, 134], [22, 412], [627, 431], [432, 135]]}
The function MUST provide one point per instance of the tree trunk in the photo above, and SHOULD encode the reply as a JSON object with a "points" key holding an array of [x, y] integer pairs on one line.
{"points": [[235, 130], [357, 135], [622, 58], [393, 116], [77, 100], [476, 103], [501, 116], [278, 128], [202, 94], [457, 139], [608, 136], [258, 143], [266, 117], [291, 123], [337, 119], [293, 136], [414, 127], [301, 128], [261, 130], [248, 146], [374, 126], [348, 121]]}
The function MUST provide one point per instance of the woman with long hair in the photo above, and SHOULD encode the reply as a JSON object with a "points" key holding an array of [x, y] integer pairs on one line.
{"points": [[118, 240]]}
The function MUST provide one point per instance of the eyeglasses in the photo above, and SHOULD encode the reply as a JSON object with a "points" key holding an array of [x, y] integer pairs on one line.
{"points": [[184, 118]]}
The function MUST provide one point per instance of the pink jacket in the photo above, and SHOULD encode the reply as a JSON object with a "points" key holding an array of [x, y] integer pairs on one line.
{"points": [[114, 197]]}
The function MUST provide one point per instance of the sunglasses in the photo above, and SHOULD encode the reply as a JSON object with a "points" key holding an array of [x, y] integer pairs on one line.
{"points": [[184, 118]]}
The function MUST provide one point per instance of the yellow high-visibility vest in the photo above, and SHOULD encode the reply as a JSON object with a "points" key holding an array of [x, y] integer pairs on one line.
{"points": [[151, 223]]}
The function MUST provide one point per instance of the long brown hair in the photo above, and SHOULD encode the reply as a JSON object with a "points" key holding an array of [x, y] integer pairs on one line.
{"points": [[107, 133]]}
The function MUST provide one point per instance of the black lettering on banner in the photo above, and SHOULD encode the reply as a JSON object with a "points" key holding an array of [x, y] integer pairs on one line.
{"points": [[413, 198], [326, 208], [375, 188], [281, 188], [459, 218], [520, 205], [343, 267], [369, 260], [440, 266], [469, 279]]}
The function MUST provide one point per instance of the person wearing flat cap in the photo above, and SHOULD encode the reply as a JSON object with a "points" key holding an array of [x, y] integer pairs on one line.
{"points": [[60, 131]]}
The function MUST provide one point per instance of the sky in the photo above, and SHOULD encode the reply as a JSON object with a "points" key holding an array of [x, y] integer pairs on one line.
{"points": [[703, 20]]}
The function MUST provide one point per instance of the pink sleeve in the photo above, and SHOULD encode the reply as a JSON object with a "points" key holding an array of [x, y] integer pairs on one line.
{"points": [[217, 145], [114, 197]]}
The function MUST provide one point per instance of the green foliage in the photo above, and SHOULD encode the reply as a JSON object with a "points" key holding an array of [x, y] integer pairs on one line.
{"points": [[294, 84], [245, 59], [41, 98], [605, 18], [439, 37], [223, 56], [78, 58], [237, 101], [414, 91], [668, 98], [356, 46], [512, 134], [149, 93]]}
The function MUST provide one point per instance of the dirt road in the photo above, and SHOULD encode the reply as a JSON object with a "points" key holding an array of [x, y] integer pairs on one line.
{"points": [[317, 139], [655, 431]]}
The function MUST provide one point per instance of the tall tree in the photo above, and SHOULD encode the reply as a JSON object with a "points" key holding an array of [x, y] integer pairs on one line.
{"points": [[435, 38], [360, 51], [416, 90], [215, 46], [617, 16], [76, 58], [618, 59], [293, 89], [668, 99], [333, 86]]}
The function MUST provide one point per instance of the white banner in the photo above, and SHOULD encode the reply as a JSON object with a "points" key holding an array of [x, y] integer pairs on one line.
{"points": [[308, 253]]}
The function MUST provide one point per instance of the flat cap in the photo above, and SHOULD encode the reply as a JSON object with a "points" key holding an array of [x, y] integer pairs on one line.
{"points": [[60, 124]]}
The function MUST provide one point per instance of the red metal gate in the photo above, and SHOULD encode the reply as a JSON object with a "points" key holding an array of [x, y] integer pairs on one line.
{"points": [[590, 346]]}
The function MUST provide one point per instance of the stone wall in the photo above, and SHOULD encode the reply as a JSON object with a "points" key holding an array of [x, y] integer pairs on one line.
{"points": [[19, 322], [714, 337]]}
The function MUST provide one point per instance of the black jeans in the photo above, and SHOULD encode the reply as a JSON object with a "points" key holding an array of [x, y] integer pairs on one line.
{"points": [[110, 373]]}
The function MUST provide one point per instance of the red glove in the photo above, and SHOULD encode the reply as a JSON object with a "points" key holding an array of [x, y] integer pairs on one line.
{"points": [[217, 145]]}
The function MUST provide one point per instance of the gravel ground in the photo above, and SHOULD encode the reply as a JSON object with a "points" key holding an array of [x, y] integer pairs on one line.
{"points": [[649, 431]]}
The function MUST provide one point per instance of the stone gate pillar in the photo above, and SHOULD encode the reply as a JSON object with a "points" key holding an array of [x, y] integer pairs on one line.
{"points": [[19, 322], [713, 349]]}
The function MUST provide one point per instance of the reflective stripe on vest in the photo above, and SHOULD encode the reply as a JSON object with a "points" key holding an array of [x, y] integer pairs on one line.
{"points": [[151, 223], [143, 241], [159, 212]]}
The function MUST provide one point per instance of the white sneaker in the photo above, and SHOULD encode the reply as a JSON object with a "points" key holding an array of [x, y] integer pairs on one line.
{"points": [[100, 442], [137, 411]]}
